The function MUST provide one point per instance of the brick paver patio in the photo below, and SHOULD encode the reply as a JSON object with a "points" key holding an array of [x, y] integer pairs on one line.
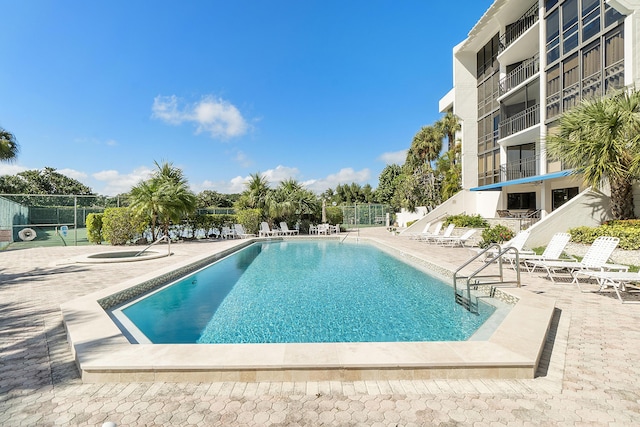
{"points": [[589, 373]]}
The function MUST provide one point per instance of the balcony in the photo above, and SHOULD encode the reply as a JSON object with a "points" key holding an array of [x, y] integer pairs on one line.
{"points": [[522, 169], [520, 121], [519, 27], [529, 67]]}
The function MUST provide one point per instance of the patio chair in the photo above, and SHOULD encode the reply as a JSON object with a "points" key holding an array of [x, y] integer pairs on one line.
{"points": [[266, 231], [240, 232], [313, 229], [445, 235], [517, 242], [425, 230], [618, 280], [228, 233], [323, 229], [552, 252], [428, 235], [284, 229], [457, 240], [335, 229], [595, 259]]}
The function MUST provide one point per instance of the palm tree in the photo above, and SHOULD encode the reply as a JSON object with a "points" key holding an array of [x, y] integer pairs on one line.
{"points": [[291, 201], [448, 126], [8, 146], [164, 198], [425, 147], [257, 195], [600, 139]]}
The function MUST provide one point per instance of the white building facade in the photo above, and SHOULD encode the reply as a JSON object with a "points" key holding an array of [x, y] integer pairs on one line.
{"points": [[523, 64]]}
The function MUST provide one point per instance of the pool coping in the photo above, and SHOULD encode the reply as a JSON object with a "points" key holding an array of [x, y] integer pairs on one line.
{"points": [[103, 354]]}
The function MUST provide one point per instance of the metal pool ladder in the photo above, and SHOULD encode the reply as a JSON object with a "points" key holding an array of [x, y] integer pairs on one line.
{"points": [[160, 239], [473, 280]]}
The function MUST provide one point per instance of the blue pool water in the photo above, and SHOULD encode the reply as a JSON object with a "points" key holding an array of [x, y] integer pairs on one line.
{"points": [[306, 291]]}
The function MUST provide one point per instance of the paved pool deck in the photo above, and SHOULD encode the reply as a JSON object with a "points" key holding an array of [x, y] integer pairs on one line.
{"points": [[588, 374]]}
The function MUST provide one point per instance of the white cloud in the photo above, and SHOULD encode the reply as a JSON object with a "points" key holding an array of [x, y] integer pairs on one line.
{"points": [[279, 174], [394, 157], [10, 169], [72, 173], [116, 183], [344, 176], [218, 117]]}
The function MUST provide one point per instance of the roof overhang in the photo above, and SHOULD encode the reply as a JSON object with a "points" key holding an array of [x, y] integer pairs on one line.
{"points": [[527, 180]]}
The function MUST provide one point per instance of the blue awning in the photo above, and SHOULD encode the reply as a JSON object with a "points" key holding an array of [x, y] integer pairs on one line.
{"points": [[499, 185]]}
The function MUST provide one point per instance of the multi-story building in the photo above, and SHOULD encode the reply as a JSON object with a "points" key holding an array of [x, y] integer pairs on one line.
{"points": [[523, 64]]}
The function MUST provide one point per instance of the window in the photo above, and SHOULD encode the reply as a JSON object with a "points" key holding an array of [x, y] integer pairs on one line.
{"points": [[569, 25], [521, 161], [553, 37], [592, 71], [562, 195], [590, 18], [548, 4], [553, 91], [613, 60], [521, 201], [611, 16], [570, 82]]}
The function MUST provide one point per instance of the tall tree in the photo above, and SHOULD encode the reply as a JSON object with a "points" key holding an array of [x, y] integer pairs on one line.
{"points": [[257, 195], [43, 181], [8, 146], [164, 198], [426, 146], [448, 125], [600, 139], [388, 181]]}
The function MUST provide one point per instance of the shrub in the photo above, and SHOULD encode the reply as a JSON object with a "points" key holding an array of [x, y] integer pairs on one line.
{"points": [[94, 228], [250, 219], [627, 231], [334, 215], [464, 220], [496, 234], [121, 225]]}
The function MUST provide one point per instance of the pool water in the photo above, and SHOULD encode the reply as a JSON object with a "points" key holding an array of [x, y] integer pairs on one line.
{"points": [[305, 291]]}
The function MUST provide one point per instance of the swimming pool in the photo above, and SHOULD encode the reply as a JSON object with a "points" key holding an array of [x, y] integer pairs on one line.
{"points": [[302, 291]]}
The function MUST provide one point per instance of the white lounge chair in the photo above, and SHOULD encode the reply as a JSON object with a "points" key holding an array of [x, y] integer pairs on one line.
{"points": [[284, 229], [240, 232], [595, 259], [434, 233], [552, 252], [425, 230], [618, 280], [457, 240], [266, 231], [228, 233], [517, 242], [445, 235]]}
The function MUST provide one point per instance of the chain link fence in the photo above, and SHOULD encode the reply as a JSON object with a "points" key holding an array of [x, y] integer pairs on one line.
{"points": [[28, 220]]}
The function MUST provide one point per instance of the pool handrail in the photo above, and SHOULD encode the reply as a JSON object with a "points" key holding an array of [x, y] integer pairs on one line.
{"points": [[160, 239], [466, 301]]}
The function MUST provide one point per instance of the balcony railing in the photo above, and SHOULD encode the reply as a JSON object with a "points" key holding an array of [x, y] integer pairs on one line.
{"points": [[522, 169], [522, 72], [519, 27], [520, 121]]}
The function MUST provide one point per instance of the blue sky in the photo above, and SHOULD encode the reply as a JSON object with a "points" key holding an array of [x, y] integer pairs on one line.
{"points": [[325, 92]]}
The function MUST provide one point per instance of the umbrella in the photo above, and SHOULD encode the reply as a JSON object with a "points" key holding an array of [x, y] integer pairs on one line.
{"points": [[324, 211]]}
